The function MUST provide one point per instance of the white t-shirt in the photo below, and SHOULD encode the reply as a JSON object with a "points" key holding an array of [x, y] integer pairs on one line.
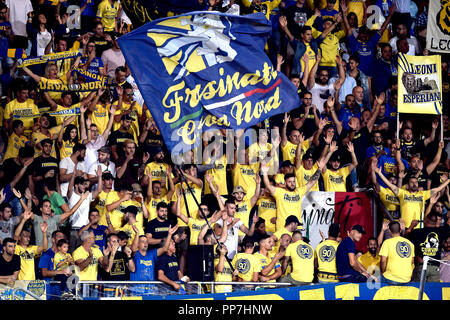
{"points": [[92, 151], [414, 46], [18, 15], [42, 41], [81, 217], [402, 6], [321, 93], [233, 237], [69, 165], [111, 167]]}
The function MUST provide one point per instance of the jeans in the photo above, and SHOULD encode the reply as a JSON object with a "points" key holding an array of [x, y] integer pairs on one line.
{"points": [[16, 206], [354, 278], [391, 282]]}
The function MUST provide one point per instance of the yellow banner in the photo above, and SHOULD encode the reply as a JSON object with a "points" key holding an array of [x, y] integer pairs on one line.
{"points": [[419, 84]]}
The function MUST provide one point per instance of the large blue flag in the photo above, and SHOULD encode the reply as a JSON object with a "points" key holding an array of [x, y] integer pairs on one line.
{"points": [[206, 70]]}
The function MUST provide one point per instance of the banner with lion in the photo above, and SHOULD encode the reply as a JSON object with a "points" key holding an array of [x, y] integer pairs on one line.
{"points": [[438, 28], [419, 84]]}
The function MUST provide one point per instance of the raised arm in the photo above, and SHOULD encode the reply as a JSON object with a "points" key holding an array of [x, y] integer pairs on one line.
{"points": [[283, 25], [312, 73], [394, 188]]}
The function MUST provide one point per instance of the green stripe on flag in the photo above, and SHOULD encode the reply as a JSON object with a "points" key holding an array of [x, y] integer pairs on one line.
{"points": [[185, 118]]}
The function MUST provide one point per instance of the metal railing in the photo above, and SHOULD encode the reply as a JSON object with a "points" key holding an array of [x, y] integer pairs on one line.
{"points": [[13, 294], [115, 289]]}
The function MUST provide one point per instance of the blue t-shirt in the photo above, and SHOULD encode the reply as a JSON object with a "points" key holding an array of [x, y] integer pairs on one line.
{"points": [[345, 114], [169, 265], [365, 51], [343, 266], [46, 261], [387, 164], [94, 67], [145, 266], [373, 151], [381, 71], [100, 236]]}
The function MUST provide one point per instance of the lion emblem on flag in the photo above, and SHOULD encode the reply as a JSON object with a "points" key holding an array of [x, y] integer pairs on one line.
{"points": [[443, 17], [189, 44]]}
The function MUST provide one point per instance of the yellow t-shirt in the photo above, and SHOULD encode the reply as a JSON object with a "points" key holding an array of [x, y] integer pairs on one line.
{"points": [[370, 263], [101, 207], [389, 199], [115, 215], [107, 14], [412, 205], [136, 114], [243, 212], [329, 45], [15, 142], [244, 176], [192, 205], [302, 176], [289, 150], [264, 261], [323, 4], [100, 117], [302, 256], [219, 173], [334, 181], [195, 226], [399, 252], [25, 111], [357, 7], [66, 149], [159, 173], [91, 271], [128, 229], [267, 209], [311, 57], [288, 203], [151, 206], [61, 258], [279, 233], [53, 94], [225, 276], [37, 137], [246, 264], [325, 254], [27, 257]]}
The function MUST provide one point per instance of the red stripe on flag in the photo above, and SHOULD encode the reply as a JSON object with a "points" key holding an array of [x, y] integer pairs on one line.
{"points": [[259, 90], [353, 208]]}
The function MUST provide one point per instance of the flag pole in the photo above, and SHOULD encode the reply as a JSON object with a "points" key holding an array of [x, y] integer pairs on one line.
{"points": [[442, 128]]}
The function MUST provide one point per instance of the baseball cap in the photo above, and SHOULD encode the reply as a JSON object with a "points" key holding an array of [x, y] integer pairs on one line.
{"points": [[104, 149], [291, 219], [238, 189], [130, 209], [358, 228]]}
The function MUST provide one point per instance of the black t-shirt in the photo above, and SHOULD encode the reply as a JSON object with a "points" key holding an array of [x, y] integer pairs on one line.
{"points": [[428, 242], [41, 165], [10, 169], [422, 178], [117, 137], [296, 18], [119, 270], [169, 265], [435, 176], [409, 149], [8, 268], [101, 45], [360, 143], [130, 175], [158, 229], [309, 126]]}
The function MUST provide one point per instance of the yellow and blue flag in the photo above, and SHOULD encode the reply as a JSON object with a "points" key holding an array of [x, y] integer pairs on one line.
{"points": [[419, 84], [206, 70]]}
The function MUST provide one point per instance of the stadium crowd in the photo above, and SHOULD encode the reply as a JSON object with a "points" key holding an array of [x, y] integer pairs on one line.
{"points": [[88, 187]]}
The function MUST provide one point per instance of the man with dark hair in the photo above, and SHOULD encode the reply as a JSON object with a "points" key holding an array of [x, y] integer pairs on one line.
{"points": [[45, 168], [270, 264], [397, 257], [72, 166], [99, 231], [119, 136], [349, 269], [325, 256], [8, 221], [9, 262], [14, 175], [371, 259], [428, 241], [158, 228]]}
